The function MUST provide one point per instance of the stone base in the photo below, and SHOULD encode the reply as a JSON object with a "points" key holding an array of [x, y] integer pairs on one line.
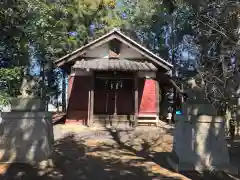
{"points": [[25, 137], [199, 144], [27, 104], [184, 166]]}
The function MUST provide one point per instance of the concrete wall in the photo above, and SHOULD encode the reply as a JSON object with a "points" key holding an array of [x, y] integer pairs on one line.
{"points": [[25, 137]]}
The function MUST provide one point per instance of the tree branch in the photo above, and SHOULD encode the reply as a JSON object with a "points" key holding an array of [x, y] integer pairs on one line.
{"points": [[219, 31]]}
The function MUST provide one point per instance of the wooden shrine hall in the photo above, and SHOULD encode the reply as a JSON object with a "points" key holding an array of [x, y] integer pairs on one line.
{"points": [[114, 79]]}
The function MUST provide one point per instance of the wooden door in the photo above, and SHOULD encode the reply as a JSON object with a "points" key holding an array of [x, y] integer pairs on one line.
{"points": [[110, 101], [125, 98], [114, 97], [103, 97]]}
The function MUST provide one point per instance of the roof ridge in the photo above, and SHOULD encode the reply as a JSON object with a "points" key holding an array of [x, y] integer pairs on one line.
{"points": [[116, 29]]}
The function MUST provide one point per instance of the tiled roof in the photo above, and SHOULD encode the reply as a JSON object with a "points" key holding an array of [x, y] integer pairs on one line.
{"points": [[114, 65]]}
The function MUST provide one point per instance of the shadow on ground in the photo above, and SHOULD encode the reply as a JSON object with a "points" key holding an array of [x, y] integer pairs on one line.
{"points": [[75, 159], [160, 157], [126, 154]]}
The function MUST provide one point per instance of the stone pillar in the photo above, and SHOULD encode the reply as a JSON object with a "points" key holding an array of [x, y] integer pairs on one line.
{"points": [[199, 142]]}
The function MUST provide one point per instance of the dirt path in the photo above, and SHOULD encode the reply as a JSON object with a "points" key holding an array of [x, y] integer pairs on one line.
{"points": [[104, 155]]}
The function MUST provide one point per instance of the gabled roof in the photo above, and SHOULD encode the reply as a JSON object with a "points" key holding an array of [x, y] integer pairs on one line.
{"points": [[104, 64], [114, 34]]}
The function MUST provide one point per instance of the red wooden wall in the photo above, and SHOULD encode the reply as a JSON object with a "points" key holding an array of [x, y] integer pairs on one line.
{"points": [[78, 93], [147, 96]]}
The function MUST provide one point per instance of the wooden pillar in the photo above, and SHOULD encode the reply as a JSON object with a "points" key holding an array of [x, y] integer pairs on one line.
{"points": [[89, 106], [64, 102], [90, 122], [135, 99]]}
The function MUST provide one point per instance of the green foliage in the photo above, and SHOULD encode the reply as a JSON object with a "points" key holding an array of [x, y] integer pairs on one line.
{"points": [[45, 26], [146, 23], [13, 39], [207, 30], [10, 74], [4, 99], [10, 81]]}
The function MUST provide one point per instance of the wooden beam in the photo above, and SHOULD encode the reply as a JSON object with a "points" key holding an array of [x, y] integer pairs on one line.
{"points": [[89, 106], [136, 100]]}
